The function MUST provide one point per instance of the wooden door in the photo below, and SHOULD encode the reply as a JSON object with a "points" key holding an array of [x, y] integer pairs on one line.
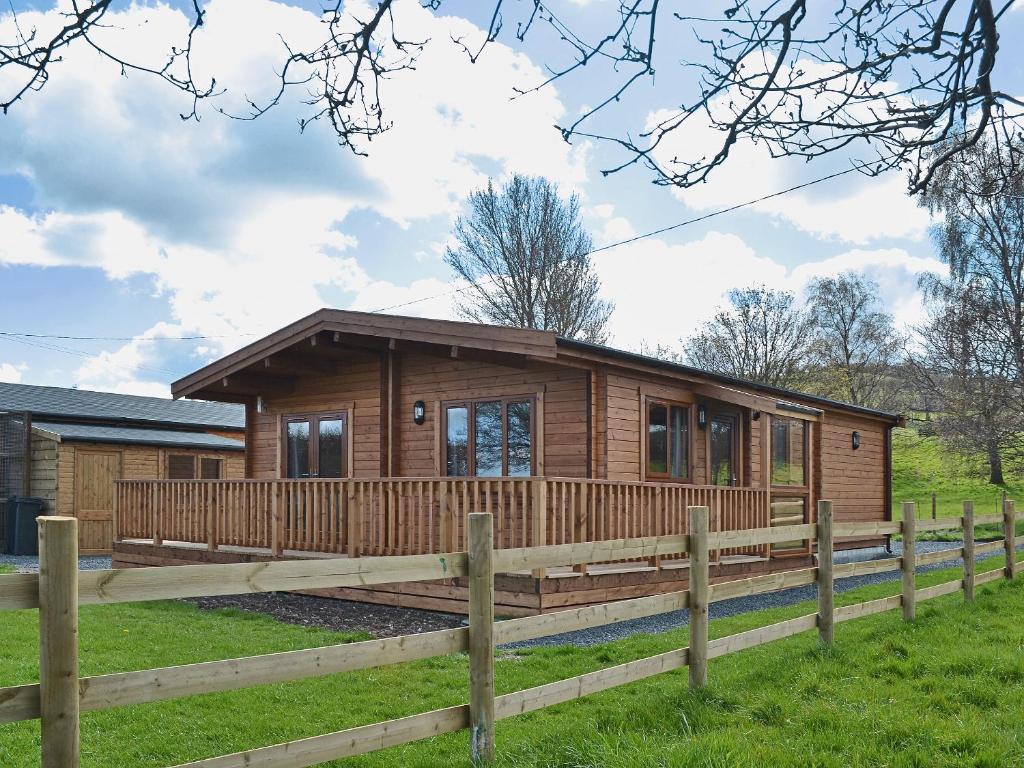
{"points": [[95, 473]]}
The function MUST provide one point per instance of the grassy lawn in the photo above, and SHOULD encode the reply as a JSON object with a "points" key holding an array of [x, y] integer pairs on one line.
{"points": [[921, 465], [946, 690], [6, 569]]}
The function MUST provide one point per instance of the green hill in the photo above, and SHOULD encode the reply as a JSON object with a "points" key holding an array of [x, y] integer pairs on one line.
{"points": [[922, 465]]}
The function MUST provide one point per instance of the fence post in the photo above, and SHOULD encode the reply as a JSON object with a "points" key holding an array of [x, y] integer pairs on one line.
{"points": [[275, 519], [697, 658], [909, 560], [481, 638], [934, 505], [58, 641], [1009, 536], [540, 519], [826, 585], [969, 551]]}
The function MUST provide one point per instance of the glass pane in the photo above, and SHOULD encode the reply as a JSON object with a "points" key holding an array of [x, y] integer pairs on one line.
{"points": [[181, 467], [788, 452], [657, 439], [209, 469], [331, 446], [298, 448], [680, 433], [722, 436], [519, 453], [458, 442], [487, 439]]}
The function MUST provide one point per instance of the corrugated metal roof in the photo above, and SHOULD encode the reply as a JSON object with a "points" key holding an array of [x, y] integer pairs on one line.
{"points": [[62, 402], [98, 433]]}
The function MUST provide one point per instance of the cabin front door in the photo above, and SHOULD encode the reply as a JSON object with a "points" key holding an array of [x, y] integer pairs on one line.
{"points": [[95, 473], [724, 448]]}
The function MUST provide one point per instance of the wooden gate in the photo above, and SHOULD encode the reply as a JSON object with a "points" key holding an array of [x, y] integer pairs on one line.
{"points": [[95, 473]]}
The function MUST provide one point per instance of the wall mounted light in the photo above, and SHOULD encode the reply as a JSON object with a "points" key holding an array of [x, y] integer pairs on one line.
{"points": [[702, 416], [856, 440], [261, 407], [419, 412], [755, 416]]}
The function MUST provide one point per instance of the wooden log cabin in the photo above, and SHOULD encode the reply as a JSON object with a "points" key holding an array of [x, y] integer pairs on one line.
{"points": [[372, 434]]}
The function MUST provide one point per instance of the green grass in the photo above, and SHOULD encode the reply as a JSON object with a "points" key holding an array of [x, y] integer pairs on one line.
{"points": [[6, 569], [922, 465], [946, 690]]}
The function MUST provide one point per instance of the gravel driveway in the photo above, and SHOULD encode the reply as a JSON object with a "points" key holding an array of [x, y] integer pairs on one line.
{"points": [[30, 563]]}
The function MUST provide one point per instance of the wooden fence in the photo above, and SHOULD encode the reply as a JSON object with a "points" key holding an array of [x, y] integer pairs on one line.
{"points": [[59, 588], [390, 516]]}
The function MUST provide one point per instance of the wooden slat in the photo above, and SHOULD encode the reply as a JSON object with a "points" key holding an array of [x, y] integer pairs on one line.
{"points": [[946, 588], [352, 741], [865, 568], [987, 576], [994, 519], [940, 556], [18, 591], [761, 635], [865, 529], [756, 585], [506, 560], [941, 524], [753, 536], [989, 546], [857, 610]]}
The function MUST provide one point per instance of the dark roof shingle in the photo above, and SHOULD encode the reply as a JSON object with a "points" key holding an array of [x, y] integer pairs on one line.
{"points": [[100, 433], [65, 403]]}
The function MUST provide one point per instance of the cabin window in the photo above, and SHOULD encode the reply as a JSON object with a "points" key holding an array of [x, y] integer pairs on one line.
{"points": [[789, 452], [181, 466], [489, 438], [668, 441], [211, 469], [184, 466], [315, 445]]}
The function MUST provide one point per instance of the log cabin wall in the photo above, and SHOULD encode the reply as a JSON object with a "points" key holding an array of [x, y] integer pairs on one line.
{"points": [[356, 389], [435, 380], [854, 480]]}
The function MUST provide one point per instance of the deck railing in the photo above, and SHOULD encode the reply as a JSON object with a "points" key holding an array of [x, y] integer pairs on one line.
{"points": [[393, 516]]}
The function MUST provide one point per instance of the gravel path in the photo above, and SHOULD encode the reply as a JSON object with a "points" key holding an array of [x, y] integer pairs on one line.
{"points": [[30, 563]]}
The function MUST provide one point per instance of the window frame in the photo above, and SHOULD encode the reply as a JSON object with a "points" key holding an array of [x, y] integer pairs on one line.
{"points": [[807, 456], [470, 405], [666, 477], [314, 418], [172, 454]]}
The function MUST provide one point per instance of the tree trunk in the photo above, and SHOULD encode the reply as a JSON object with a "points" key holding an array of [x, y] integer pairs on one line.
{"points": [[995, 464]]}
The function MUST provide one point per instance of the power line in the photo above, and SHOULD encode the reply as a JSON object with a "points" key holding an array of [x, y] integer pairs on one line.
{"points": [[645, 235], [19, 334]]}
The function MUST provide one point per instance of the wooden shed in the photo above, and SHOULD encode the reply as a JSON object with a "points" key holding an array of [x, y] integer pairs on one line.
{"points": [[376, 434], [80, 442]]}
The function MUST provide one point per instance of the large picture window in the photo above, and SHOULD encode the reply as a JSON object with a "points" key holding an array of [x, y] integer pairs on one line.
{"points": [[668, 441], [489, 438], [315, 445], [789, 452]]}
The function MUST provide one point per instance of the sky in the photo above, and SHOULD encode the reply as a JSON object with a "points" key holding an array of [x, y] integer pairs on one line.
{"points": [[123, 223]]}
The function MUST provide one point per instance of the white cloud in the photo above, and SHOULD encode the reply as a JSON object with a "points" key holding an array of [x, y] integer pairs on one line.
{"points": [[664, 292], [242, 225], [12, 373]]}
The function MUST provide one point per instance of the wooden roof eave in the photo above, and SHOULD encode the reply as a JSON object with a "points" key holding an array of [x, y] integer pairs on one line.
{"points": [[706, 385], [444, 333]]}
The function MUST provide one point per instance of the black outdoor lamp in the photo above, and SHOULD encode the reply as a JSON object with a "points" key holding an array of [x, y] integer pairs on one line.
{"points": [[856, 440], [419, 411], [702, 416]]}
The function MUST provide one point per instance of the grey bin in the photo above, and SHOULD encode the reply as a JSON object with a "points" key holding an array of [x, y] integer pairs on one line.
{"points": [[21, 534]]}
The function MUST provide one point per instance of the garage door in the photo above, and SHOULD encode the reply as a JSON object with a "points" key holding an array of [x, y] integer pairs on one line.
{"points": [[95, 473]]}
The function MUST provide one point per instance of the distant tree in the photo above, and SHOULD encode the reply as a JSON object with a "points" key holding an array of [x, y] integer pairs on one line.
{"points": [[967, 372], [526, 257], [856, 345], [762, 336], [980, 199]]}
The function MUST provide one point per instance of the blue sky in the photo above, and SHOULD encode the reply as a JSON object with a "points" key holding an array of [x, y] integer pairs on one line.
{"points": [[119, 220]]}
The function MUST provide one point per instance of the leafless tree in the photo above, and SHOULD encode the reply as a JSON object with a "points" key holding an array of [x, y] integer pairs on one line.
{"points": [[856, 344], [762, 336], [526, 258], [981, 236], [967, 372], [904, 77]]}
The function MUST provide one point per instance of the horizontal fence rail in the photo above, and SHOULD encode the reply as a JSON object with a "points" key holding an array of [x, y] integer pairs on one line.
{"points": [[57, 704]]}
